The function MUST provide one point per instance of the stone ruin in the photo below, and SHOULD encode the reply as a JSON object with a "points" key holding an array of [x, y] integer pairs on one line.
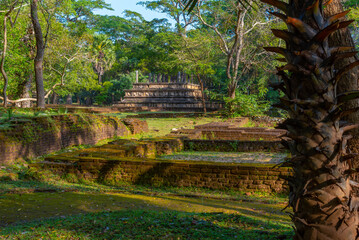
{"points": [[229, 131], [165, 96], [144, 161]]}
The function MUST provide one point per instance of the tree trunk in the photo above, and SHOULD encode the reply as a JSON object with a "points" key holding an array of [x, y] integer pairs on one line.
{"points": [[321, 195], [6, 80], [26, 92], [349, 80], [55, 98], [232, 91], [40, 51], [99, 79], [3, 72], [88, 101]]}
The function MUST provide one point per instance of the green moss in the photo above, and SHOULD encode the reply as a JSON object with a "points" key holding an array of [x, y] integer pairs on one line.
{"points": [[70, 177], [42, 175], [5, 176], [30, 130]]}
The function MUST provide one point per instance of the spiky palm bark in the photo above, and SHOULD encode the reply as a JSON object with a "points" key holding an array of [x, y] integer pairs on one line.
{"points": [[320, 190]]}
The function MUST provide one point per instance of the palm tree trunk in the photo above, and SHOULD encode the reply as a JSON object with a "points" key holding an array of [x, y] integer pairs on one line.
{"points": [[349, 80], [324, 206]]}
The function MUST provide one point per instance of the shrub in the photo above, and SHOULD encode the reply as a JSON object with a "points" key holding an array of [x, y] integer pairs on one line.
{"points": [[245, 105]]}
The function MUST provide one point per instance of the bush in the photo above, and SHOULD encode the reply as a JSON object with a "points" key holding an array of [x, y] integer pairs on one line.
{"points": [[245, 105]]}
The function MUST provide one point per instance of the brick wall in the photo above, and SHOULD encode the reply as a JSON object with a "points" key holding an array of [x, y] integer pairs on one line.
{"points": [[245, 177], [233, 146], [43, 135]]}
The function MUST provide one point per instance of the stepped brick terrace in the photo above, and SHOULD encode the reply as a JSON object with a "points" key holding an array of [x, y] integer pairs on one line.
{"points": [[165, 96], [229, 131]]}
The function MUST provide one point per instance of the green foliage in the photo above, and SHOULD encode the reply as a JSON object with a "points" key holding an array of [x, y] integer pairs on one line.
{"points": [[34, 174], [83, 46], [245, 105], [103, 93], [123, 82], [354, 14]]}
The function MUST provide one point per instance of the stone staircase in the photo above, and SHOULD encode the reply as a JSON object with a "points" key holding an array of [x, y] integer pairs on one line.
{"points": [[165, 97]]}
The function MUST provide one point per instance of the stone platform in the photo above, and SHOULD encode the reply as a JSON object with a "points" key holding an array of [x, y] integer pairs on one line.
{"points": [[165, 97], [229, 131], [138, 162]]}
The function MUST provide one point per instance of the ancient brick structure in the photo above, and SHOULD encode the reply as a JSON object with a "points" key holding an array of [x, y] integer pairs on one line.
{"points": [[165, 96], [136, 162], [245, 177], [229, 131], [232, 146], [38, 136]]}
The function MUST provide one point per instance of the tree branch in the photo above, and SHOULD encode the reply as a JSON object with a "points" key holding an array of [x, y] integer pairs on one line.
{"points": [[222, 40]]}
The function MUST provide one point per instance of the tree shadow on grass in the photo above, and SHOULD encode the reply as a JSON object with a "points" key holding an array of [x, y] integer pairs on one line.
{"points": [[250, 209], [138, 224], [20, 208]]}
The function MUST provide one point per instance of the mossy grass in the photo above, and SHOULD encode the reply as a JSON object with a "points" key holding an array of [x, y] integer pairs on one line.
{"points": [[159, 127], [59, 202], [144, 224], [252, 158]]}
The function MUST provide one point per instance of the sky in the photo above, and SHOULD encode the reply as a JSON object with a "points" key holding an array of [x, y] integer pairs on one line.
{"points": [[121, 5]]}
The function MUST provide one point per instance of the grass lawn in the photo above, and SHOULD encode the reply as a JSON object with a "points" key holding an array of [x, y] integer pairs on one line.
{"points": [[159, 127], [59, 210], [229, 157]]}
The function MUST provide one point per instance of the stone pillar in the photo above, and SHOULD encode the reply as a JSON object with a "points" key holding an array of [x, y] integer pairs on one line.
{"points": [[178, 77], [137, 76]]}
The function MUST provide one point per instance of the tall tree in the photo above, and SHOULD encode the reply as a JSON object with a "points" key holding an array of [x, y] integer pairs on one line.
{"points": [[49, 9], [322, 197], [175, 10], [40, 52], [79, 15], [7, 17], [103, 55], [232, 23], [187, 52]]}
